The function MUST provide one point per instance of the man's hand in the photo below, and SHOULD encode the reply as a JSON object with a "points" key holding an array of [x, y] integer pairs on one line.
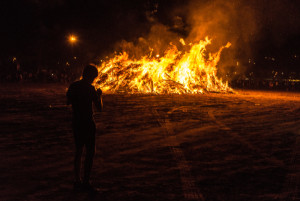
{"points": [[98, 103]]}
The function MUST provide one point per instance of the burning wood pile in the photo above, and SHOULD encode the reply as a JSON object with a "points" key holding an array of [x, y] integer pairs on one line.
{"points": [[193, 72]]}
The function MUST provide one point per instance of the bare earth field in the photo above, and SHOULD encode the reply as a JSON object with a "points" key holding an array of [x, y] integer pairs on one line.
{"points": [[229, 147]]}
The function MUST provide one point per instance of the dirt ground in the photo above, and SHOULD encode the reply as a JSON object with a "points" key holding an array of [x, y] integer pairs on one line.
{"points": [[242, 146]]}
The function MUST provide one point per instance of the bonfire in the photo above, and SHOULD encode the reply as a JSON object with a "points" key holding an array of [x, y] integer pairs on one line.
{"points": [[192, 72]]}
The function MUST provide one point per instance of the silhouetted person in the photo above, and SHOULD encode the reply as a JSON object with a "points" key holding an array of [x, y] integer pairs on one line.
{"points": [[81, 94]]}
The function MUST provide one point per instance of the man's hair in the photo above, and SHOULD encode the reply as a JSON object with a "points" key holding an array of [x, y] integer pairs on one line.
{"points": [[89, 71]]}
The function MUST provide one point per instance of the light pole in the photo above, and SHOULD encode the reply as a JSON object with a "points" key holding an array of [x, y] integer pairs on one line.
{"points": [[73, 64]]}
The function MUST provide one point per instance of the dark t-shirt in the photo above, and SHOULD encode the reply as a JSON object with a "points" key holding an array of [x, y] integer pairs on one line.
{"points": [[81, 95]]}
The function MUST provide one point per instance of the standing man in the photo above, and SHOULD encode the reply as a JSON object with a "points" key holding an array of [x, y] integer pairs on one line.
{"points": [[81, 94]]}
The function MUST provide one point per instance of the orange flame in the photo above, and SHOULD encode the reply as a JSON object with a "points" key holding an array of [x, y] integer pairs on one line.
{"points": [[192, 72]]}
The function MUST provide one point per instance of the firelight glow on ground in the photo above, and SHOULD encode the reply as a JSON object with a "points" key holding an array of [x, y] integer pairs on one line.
{"points": [[233, 147]]}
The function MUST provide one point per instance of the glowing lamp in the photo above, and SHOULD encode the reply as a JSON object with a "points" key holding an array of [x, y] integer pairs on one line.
{"points": [[72, 39]]}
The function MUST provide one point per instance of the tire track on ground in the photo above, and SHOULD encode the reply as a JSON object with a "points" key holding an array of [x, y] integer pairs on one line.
{"points": [[190, 190], [291, 186], [247, 144]]}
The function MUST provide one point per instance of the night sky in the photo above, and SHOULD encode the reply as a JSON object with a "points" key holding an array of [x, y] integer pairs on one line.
{"points": [[38, 30]]}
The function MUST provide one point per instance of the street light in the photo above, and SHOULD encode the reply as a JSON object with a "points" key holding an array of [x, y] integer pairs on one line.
{"points": [[73, 63], [72, 39]]}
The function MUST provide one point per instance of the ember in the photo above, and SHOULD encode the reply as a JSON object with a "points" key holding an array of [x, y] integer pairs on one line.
{"points": [[178, 72]]}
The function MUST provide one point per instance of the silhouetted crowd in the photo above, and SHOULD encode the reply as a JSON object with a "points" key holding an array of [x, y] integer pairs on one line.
{"points": [[267, 84], [44, 76], [66, 75]]}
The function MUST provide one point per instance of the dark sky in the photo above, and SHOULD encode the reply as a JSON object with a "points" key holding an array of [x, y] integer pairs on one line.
{"points": [[32, 29], [31, 24]]}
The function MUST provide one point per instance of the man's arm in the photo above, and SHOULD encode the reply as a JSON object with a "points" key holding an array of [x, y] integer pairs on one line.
{"points": [[98, 100]]}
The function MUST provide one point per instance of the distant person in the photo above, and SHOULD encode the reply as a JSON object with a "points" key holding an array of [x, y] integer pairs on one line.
{"points": [[81, 94]]}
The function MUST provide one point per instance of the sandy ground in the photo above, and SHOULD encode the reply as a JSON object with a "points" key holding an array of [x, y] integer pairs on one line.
{"points": [[229, 147]]}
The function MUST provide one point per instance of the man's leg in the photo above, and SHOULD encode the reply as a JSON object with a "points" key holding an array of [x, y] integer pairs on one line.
{"points": [[90, 152], [88, 163], [77, 163], [79, 144]]}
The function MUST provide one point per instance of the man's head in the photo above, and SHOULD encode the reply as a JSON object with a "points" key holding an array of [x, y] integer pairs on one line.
{"points": [[90, 73]]}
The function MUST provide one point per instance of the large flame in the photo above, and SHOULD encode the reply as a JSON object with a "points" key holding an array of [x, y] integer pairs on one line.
{"points": [[176, 72]]}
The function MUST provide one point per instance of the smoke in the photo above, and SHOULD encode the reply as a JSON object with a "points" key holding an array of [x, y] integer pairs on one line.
{"points": [[224, 21], [221, 21], [243, 23], [252, 27], [155, 42]]}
